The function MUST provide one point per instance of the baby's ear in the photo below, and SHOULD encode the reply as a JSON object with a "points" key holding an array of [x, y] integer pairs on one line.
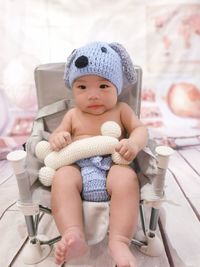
{"points": [[67, 67], [127, 64]]}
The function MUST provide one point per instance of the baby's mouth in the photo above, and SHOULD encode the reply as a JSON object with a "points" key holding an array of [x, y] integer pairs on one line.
{"points": [[95, 106]]}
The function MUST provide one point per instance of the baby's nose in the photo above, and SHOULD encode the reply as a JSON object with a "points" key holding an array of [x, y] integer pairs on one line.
{"points": [[93, 94], [93, 97]]}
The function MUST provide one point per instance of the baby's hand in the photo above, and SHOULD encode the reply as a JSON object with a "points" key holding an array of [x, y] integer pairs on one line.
{"points": [[127, 149], [59, 140]]}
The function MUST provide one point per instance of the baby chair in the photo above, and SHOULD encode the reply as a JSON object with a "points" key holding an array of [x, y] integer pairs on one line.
{"points": [[151, 164]]}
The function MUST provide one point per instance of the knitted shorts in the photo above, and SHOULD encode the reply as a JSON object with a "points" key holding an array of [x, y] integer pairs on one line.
{"points": [[94, 173]]}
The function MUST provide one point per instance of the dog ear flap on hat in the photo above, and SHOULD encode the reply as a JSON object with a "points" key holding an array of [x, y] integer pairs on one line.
{"points": [[127, 65], [67, 67]]}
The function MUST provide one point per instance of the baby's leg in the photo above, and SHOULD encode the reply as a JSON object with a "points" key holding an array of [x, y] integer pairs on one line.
{"points": [[67, 212], [122, 185]]}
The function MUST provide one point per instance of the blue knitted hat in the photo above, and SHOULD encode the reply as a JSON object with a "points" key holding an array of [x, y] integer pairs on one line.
{"points": [[110, 61]]}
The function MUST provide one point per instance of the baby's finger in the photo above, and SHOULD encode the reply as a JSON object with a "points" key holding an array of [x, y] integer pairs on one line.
{"points": [[123, 152], [127, 155], [62, 142], [118, 147], [67, 138], [54, 146], [57, 143]]}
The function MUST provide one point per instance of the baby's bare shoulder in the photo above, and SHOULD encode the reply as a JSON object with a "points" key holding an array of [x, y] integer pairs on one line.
{"points": [[70, 112], [123, 106], [68, 117]]}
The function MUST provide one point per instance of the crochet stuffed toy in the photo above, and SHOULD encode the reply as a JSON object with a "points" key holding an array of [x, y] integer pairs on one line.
{"points": [[85, 148]]}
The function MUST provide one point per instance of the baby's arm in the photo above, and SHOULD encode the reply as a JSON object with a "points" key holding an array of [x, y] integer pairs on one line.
{"points": [[137, 139], [61, 136]]}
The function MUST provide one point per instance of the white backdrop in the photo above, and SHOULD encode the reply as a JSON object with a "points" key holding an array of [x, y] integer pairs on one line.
{"points": [[163, 37]]}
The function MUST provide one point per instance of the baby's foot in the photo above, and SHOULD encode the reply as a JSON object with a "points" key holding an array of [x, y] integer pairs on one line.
{"points": [[71, 246], [121, 254]]}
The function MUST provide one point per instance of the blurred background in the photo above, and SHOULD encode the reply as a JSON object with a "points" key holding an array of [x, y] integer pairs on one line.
{"points": [[163, 37]]}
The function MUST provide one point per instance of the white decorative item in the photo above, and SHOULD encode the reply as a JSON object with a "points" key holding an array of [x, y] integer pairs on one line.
{"points": [[153, 193], [17, 159], [163, 155], [42, 150], [97, 145]]}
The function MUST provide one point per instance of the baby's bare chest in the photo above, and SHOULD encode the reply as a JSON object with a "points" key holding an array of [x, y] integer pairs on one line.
{"points": [[86, 125]]}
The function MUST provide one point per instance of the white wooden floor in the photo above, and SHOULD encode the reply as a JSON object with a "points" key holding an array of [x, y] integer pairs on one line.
{"points": [[179, 224]]}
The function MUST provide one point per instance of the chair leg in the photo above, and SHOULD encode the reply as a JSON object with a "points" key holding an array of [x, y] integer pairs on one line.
{"points": [[153, 221], [31, 227], [140, 241], [149, 244], [33, 252], [142, 217], [147, 241]]}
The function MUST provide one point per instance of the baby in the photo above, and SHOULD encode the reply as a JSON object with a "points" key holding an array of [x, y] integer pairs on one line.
{"points": [[96, 73]]}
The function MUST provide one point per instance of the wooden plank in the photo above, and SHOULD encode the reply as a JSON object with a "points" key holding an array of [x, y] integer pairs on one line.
{"points": [[8, 187], [97, 258], [98, 255], [6, 171], [187, 178], [147, 261], [181, 226], [192, 156], [13, 235], [46, 227], [142, 259], [8, 193]]}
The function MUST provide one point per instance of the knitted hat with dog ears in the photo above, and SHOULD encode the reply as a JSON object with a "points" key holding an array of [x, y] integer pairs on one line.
{"points": [[110, 61]]}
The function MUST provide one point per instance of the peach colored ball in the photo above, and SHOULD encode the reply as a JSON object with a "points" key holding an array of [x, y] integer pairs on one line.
{"points": [[184, 100]]}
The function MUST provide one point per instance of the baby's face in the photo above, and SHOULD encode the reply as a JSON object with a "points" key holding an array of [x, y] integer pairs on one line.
{"points": [[94, 94]]}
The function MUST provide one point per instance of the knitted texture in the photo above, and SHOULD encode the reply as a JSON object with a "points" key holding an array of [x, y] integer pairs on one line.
{"points": [[130, 74], [94, 172], [100, 58], [80, 149]]}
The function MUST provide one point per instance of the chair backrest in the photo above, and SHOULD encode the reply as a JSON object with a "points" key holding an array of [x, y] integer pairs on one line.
{"points": [[51, 88]]}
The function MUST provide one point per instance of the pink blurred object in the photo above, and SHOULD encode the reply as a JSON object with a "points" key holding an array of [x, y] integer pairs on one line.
{"points": [[22, 126], [8, 144], [4, 111], [18, 135], [184, 100], [193, 22], [190, 25], [150, 112], [148, 95]]}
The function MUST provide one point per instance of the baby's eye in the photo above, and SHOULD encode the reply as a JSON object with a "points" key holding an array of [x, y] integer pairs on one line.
{"points": [[103, 86], [82, 87]]}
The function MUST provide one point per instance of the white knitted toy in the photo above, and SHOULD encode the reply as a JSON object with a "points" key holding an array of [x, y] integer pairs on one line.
{"points": [[93, 146]]}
